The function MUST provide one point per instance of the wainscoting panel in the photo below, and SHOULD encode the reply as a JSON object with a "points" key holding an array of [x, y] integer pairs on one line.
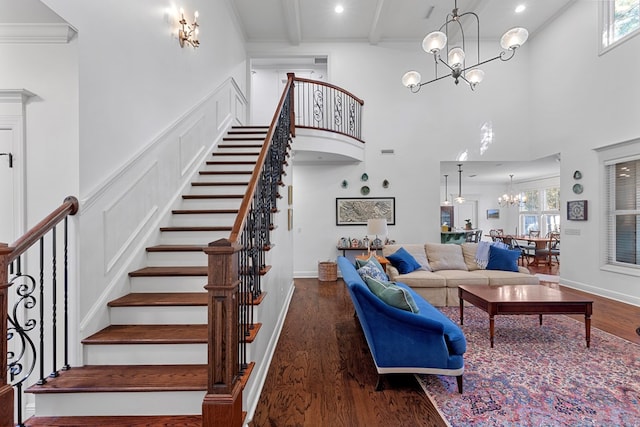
{"points": [[127, 216], [191, 143]]}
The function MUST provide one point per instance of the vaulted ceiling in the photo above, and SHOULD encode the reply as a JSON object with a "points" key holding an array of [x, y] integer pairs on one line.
{"points": [[378, 21]]}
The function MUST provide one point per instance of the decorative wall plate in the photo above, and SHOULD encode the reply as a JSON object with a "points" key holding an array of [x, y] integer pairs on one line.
{"points": [[577, 188], [577, 175], [364, 190], [364, 177]]}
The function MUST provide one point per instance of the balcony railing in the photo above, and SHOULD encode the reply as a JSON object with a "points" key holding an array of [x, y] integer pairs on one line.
{"points": [[320, 105]]}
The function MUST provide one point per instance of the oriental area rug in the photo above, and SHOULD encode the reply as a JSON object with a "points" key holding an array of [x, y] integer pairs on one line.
{"points": [[539, 375]]}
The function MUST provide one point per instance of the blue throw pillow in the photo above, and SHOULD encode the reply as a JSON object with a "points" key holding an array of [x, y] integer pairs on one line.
{"points": [[370, 269], [403, 261], [503, 259], [393, 295]]}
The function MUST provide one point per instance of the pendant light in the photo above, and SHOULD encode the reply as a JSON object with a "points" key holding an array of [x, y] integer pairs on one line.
{"points": [[459, 199], [446, 201]]}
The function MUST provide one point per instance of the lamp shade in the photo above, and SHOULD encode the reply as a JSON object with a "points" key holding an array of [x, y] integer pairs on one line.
{"points": [[411, 79], [434, 42], [514, 38], [456, 57], [377, 227], [475, 76]]}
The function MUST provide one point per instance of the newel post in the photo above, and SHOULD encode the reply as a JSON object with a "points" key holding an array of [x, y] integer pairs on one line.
{"points": [[6, 389], [222, 406]]}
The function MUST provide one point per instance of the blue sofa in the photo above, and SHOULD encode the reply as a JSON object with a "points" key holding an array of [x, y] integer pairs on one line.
{"points": [[400, 341]]}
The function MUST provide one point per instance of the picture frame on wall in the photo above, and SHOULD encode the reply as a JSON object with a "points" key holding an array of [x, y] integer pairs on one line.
{"points": [[493, 213], [577, 210], [357, 210]]}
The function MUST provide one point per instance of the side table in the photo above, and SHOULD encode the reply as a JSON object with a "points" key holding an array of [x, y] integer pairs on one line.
{"points": [[382, 260]]}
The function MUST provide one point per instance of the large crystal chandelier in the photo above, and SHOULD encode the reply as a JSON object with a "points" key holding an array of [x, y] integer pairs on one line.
{"points": [[455, 64]]}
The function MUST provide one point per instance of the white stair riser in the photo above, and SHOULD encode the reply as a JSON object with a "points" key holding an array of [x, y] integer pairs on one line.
{"points": [[154, 315], [210, 204], [145, 354], [227, 168], [191, 237], [236, 148], [217, 189], [223, 178], [116, 403], [221, 157], [168, 284], [178, 258], [194, 220]]}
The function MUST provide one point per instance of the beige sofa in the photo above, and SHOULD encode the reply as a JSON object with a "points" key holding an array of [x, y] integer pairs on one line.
{"points": [[445, 266]]}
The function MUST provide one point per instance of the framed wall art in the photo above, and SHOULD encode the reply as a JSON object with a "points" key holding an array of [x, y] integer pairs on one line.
{"points": [[577, 210], [357, 210], [493, 213]]}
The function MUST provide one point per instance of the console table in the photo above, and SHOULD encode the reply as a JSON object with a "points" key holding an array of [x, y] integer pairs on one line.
{"points": [[344, 249]]}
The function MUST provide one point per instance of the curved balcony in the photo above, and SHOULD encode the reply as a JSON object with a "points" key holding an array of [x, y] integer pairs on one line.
{"points": [[328, 123]]}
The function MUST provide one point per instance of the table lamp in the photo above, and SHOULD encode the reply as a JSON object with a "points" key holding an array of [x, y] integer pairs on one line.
{"points": [[377, 227]]}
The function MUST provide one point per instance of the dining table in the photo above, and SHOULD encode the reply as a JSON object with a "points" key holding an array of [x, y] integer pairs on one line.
{"points": [[539, 242]]}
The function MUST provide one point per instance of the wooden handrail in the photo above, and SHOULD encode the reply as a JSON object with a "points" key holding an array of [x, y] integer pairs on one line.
{"points": [[7, 255], [255, 176], [68, 207]]}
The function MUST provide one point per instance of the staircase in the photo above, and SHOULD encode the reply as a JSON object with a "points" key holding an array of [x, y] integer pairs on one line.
{"points": [[152, 358]]}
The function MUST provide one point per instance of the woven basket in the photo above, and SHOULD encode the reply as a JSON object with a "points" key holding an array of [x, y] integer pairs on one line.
{"points": [[327, 271]]}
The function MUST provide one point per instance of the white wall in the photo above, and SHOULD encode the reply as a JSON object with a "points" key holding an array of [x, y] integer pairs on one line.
{"points": [[556, 95], [582, 101], [135, 79], [50, 71]]}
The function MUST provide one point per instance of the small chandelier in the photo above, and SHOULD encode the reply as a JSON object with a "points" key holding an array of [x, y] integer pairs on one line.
{"points": [[510, 198], [455, 64], [188, 34], [459, 199], [446, 201]]}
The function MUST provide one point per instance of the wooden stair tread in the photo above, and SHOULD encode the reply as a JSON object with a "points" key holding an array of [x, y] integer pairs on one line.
{"points": [[175, 248], [170, 271], [121, 420], [225, 172], [160, 299], [150, 334], [198, 228], [235, 153], [204, 211], [218, 184], [244, 138], [126, 378], [239, 145], [212, 196], [231, 162]]}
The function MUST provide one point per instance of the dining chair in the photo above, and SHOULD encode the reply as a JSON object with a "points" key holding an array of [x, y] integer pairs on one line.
{"points": [[513, 244], [496, 232], [534, 233], [552, 249]]}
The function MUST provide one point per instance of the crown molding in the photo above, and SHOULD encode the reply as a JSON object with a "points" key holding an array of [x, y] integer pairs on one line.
{"points": [[36, 33]]}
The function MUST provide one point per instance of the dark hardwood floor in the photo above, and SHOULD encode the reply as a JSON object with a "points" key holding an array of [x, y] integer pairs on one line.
{"points": [[322, 373]]}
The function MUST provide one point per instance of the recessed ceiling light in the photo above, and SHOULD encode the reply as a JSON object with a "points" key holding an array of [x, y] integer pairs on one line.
{"points": [[339, 8], [520, 8]]}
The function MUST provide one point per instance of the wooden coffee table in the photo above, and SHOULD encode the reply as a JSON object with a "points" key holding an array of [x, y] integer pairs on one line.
{"points": [[524, 299]]}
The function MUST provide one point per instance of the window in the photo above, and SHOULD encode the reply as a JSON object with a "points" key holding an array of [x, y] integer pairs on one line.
{"points": [[623, 212], [620, 20], [541, 211]]}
